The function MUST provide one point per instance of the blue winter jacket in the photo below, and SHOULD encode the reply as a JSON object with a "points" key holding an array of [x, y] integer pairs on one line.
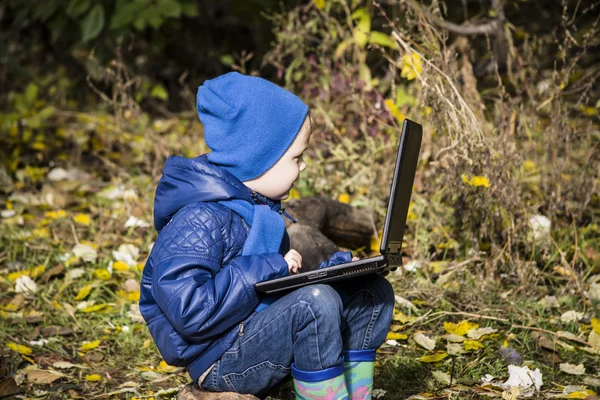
{"points": [[196, 286]]}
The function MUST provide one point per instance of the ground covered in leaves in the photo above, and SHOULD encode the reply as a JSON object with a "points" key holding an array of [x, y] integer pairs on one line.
{"points": [[73, 245]]}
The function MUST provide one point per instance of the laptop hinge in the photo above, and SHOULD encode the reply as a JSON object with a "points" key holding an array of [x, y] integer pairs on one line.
{"points": [[394, 247]]}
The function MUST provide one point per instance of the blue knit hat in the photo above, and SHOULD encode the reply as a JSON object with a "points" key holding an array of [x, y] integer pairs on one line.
{"points": [[249, 122]]}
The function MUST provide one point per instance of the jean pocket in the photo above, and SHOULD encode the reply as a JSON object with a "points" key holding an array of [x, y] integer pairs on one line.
{"points": [[258, 379]]}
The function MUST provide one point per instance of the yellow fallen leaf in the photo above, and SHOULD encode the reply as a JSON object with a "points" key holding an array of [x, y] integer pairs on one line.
{"points": [[82, 219], [412, 66], [90, 346], [93, 378], [583, 394], [461, 328], [19, 348], [344, 198], [102, 274], [83, 292], [133, 296], [320, 4], [42, 233], [163, 367], [437, 356], [400, 316], [94, 308], [147, 343], [472, 345], [476, 181], [394, 110], [294, 194], [120, 266], [596, 325], [31, 272], [55, 214], [376, 241], [529, 165], [396, 336]]}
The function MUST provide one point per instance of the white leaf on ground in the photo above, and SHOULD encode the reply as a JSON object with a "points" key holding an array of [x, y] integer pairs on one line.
{"points": [[58, 174], [136, 223], [40, 342], [453, 337], [134, 313], [117, 192], [540, 226], [401, 301], [85, 304], [127, 253], [549, 302], [480, 332], [75, 273], [487, 378], [592, 381], [66, 365], [424, 341], [571, 316], [594, 339], [572, 369], [25, 284], [523, 377], [455, 349], [412, 266], [441, 377], [85, 252], [7, 213], [131, 285], [72, 174], [377, 393], [392, 342], [594, 292]]}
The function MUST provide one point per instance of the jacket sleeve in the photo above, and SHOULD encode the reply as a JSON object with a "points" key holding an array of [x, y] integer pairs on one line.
{"points": [[201, 304]]}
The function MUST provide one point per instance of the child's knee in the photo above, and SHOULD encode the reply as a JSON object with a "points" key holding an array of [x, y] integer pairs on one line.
{"points": [[384, 290], [323, 300]]}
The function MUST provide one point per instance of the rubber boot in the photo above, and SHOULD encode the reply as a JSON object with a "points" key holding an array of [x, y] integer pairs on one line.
{"points": [[327, 384], [358, 369]]}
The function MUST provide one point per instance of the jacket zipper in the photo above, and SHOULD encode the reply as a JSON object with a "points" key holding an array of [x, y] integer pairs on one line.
{"points": [[242, 329]]}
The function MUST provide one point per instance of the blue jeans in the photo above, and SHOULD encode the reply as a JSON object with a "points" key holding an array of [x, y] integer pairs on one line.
{"points": [[309, 327]]}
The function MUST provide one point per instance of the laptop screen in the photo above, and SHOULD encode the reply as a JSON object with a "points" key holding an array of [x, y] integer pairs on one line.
{"points": [[401, 189]]}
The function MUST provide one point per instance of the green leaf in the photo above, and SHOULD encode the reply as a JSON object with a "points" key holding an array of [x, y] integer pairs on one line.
{"points": [[159, 92], [31, 93], [189, 10], [341, 49], [56, 26], [92, 23], [126, 12], [382, 39], [226, 60], [46, 9], [360, 13], [77, 7], [169, 8], [362, 29]]}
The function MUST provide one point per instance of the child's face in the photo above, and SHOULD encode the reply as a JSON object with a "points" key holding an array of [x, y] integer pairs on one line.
{"points": [[277, 182]]}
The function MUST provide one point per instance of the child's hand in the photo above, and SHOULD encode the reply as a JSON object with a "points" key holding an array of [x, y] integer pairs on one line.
{"points": [[294, 261]]}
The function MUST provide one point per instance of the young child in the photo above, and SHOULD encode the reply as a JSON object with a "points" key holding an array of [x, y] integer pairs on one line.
{"points": [[221, 230]]}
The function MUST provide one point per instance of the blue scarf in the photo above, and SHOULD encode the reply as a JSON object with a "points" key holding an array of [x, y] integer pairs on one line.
{"points": [[266, 232]]}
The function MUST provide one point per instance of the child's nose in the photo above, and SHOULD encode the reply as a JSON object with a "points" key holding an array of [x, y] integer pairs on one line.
{"points": [[302, 166]]}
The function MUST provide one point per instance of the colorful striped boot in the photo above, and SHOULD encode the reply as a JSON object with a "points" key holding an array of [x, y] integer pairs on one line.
{"points": [[358, 368], [327, 384]]}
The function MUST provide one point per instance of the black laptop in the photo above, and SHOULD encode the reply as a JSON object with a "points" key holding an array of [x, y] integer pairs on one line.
{"points": [[393, 228]]}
